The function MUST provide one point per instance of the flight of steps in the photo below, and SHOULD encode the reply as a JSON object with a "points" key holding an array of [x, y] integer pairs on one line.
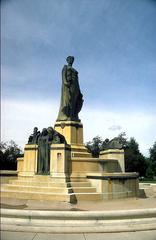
{"points": [[43, 188]]}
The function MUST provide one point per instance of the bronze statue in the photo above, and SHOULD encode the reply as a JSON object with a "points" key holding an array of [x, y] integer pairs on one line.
{"points": [[71, 96], [43, 166], [33, 138], [112, 144], [45, 139], [55, 137]]}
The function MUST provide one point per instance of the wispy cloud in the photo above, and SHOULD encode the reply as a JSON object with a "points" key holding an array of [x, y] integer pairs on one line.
{"points": [[115, 127]]}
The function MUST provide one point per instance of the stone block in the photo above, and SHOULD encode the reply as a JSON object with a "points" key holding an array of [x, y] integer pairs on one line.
{"points": [[115, 154], [30, 160], [71, 130]]}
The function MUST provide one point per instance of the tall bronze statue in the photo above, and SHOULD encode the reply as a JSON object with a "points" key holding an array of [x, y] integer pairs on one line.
{"points": [[71, 96], [43, 153]]}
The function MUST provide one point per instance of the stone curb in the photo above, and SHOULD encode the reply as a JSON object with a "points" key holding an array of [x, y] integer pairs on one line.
{"points": [[78, 222], [117, 214]]}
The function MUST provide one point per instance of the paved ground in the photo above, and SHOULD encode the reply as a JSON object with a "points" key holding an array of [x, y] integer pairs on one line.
{"points": [[116, 204], [142, 235]]}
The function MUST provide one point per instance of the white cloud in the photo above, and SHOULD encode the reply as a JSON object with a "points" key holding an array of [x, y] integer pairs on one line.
{"points": [[19, 119], [115, 127]]}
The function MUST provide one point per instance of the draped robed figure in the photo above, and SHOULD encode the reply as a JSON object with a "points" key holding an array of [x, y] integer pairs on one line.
{"points": [[71, 96]]}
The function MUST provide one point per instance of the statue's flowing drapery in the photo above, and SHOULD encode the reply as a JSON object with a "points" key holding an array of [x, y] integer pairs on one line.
{"points": [[71, 96]]}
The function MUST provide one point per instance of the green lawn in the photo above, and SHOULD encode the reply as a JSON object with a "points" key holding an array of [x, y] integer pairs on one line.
{"points": [[147, 181]]}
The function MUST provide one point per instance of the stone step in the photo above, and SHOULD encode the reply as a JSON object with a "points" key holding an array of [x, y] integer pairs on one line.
{"points": [[88, 196], [69, 197], [80, 184], [50, 183], [83, 189], [50, 179], [38, 177], [36, 189], [78, 179], [39, 183], [38, 195]]}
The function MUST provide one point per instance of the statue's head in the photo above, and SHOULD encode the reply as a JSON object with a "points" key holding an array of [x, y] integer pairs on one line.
{"points": [[50, 130], [70, 60], [106, 140], [44, 132], [35, 129]]}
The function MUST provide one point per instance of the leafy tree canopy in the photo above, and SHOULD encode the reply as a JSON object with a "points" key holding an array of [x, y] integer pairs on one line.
{"points": [[152, 152], [9, 151], [94, 146]]}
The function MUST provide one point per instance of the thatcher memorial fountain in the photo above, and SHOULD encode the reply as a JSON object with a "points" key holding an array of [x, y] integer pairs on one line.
{"points": [[58, 167]]}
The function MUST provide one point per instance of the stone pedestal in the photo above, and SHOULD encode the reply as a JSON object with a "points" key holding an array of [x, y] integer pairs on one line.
{"points": [[71, 130], [73, 133], [29, 165], [60, 157], [20, 163], [116, 154]]}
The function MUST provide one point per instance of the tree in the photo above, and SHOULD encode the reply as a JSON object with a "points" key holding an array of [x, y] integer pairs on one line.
{"points": [[8, 155], [94, 146], [134, 160], [123, 139], [152, 152], [149, 170]]}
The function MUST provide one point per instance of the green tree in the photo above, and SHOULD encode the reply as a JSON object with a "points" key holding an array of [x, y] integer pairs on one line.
{"points": [[94, 146], [152, 152], [8, 155], [134, 160], [123, 139], [149, 170]]}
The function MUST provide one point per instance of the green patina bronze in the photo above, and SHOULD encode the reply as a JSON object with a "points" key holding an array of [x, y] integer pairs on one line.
{"points": [[33, 138], [112, 144], [71, 96], [44, 141], [43, 153]]}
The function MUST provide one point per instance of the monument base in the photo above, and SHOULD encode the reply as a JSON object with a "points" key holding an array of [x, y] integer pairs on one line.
{"points": [[73, 133], [96, 186], [71, 130], [73, 174]]}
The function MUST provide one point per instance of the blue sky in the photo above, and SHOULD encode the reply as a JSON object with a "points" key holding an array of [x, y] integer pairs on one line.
{"points": [[114, 44]]}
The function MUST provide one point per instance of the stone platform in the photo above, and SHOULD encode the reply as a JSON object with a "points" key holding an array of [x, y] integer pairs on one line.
{"points": [[73, 174], [96, 187], [44, 188]]}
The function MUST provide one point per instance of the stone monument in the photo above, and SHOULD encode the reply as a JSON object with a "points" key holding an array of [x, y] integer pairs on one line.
{"points": [[56, 164], [68, 122]]}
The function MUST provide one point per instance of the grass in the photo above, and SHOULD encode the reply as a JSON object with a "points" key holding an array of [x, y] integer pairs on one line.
{"points": [[147, 181]]}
